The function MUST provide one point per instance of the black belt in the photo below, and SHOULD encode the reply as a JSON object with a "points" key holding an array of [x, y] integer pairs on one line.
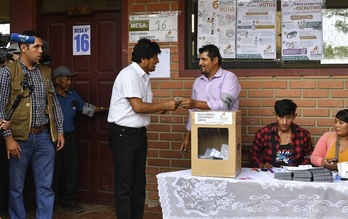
{"points": [[125, 128]]}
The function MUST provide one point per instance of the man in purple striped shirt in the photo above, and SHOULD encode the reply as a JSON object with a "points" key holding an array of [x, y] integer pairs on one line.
{"points": [[215, 89]]}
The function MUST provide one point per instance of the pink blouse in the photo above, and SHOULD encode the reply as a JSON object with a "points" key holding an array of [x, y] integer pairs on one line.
{"points": [[325, 148]]}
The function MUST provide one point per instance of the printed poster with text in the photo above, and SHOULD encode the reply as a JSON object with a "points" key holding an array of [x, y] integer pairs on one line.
{"points": [[302, 36], [256, 29], [217, 25]]}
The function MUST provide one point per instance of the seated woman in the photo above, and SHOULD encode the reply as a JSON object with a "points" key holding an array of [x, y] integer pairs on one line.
{"points": [[332, 146]]}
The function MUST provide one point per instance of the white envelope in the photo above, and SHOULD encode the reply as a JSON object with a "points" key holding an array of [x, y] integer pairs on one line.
{"points": [[343, 169]]}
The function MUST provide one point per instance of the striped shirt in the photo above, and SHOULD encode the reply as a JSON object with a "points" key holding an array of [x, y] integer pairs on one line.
{"points": [[38, 98]]}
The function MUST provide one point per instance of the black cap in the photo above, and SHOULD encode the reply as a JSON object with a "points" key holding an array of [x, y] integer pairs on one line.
{"points": [[62, 71]]}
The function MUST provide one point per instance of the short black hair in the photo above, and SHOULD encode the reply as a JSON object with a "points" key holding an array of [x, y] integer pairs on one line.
{"points": [[145, 49], [285, 107], [342, 115], [213, 52]]}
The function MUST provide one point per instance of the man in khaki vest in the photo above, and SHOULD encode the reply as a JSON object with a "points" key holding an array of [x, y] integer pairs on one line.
{"points": [[35, 124]]}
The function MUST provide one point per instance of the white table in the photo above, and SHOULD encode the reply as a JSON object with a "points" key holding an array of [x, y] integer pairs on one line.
{"points": [[251, 195]]}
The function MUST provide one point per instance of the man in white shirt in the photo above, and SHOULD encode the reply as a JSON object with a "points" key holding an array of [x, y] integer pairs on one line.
{"points": [[129, 115]]}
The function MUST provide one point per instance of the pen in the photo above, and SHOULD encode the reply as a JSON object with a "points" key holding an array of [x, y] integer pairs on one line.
{"points": [[270, 170]]}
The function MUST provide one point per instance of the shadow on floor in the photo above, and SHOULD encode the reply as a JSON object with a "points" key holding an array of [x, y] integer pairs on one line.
{"points": [[91, 211]]}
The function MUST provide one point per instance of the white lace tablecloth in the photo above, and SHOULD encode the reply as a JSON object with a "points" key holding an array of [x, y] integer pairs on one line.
{"points": [[251, 195]]}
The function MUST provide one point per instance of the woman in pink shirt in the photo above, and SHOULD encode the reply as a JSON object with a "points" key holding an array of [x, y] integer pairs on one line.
{"points": [[332, 147]]}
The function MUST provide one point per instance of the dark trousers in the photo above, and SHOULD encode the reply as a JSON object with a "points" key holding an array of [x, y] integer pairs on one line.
{"points": [[65, 176], [4, 178], [129, 150]]}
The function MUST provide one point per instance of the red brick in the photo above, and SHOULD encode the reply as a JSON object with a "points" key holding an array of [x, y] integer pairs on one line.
{"points": [[170, 137], [315, 93], [184, 163], [302, 102], [331, 103], [152, 135], [136, 8], [250, 102], [250, 84], [301, 84], [171, 85], [317, 131], [171, 119], [315, 112], [158, 144], [152, 153], [326, 122], [288, 93], [305, 121], [158, 7], [261, 93], [266, 111], [251, 120], [152, 170], [339, 93], [182, 93], [160, 93], [273, 84], [330, 84], [159, 127], [170, 153], [157, 162]]}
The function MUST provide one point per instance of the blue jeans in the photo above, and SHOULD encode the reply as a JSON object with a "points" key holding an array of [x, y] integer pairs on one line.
{"points": [[39, 152]]}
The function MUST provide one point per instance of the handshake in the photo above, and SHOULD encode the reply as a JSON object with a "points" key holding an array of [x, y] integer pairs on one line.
{"points": [[186, 103]]}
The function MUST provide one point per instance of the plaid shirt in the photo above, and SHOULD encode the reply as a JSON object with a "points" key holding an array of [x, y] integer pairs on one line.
{"points": [[38, 98], [262, 150]]}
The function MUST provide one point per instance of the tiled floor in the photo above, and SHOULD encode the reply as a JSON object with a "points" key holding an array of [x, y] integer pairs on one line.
{"points": [[92, 211]]}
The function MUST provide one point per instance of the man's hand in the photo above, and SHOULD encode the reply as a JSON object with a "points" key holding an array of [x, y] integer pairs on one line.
{"points": [[186, 142], [5, 125], [265, 166], [60, 142], [188, 103], [172, 105], [13, 148]]}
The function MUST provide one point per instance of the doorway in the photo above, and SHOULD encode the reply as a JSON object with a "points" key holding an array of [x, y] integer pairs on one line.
{"points": [[95, 76]]}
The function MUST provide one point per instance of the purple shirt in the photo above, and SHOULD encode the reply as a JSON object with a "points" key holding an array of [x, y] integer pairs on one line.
{"points": [[220, 92]]}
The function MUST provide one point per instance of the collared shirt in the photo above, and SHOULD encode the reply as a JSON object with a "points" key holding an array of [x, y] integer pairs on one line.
{"points": [[38, 98], [132, 81], [71, 103], [262, 148], [220, 92]]}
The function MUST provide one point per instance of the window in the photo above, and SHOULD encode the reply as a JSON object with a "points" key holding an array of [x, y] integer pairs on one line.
{"points": [[335, 48]]}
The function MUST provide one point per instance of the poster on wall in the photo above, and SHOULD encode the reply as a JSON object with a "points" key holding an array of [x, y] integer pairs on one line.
{"points": [[217, 25], [82, 40], [163, 67], [256, 29], [302, 36], [160, 27]]}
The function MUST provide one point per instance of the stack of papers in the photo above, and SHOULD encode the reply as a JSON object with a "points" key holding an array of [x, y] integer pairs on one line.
{"points": [[321, 174], [316, 174], [302, 175], [283, 175]]}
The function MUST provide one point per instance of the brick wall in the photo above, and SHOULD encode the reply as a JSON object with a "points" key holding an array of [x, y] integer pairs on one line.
{"points": [[318, 100]]}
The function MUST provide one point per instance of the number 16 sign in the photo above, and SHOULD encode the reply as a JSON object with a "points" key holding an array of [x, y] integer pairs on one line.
{"points": [[82, 40]]}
